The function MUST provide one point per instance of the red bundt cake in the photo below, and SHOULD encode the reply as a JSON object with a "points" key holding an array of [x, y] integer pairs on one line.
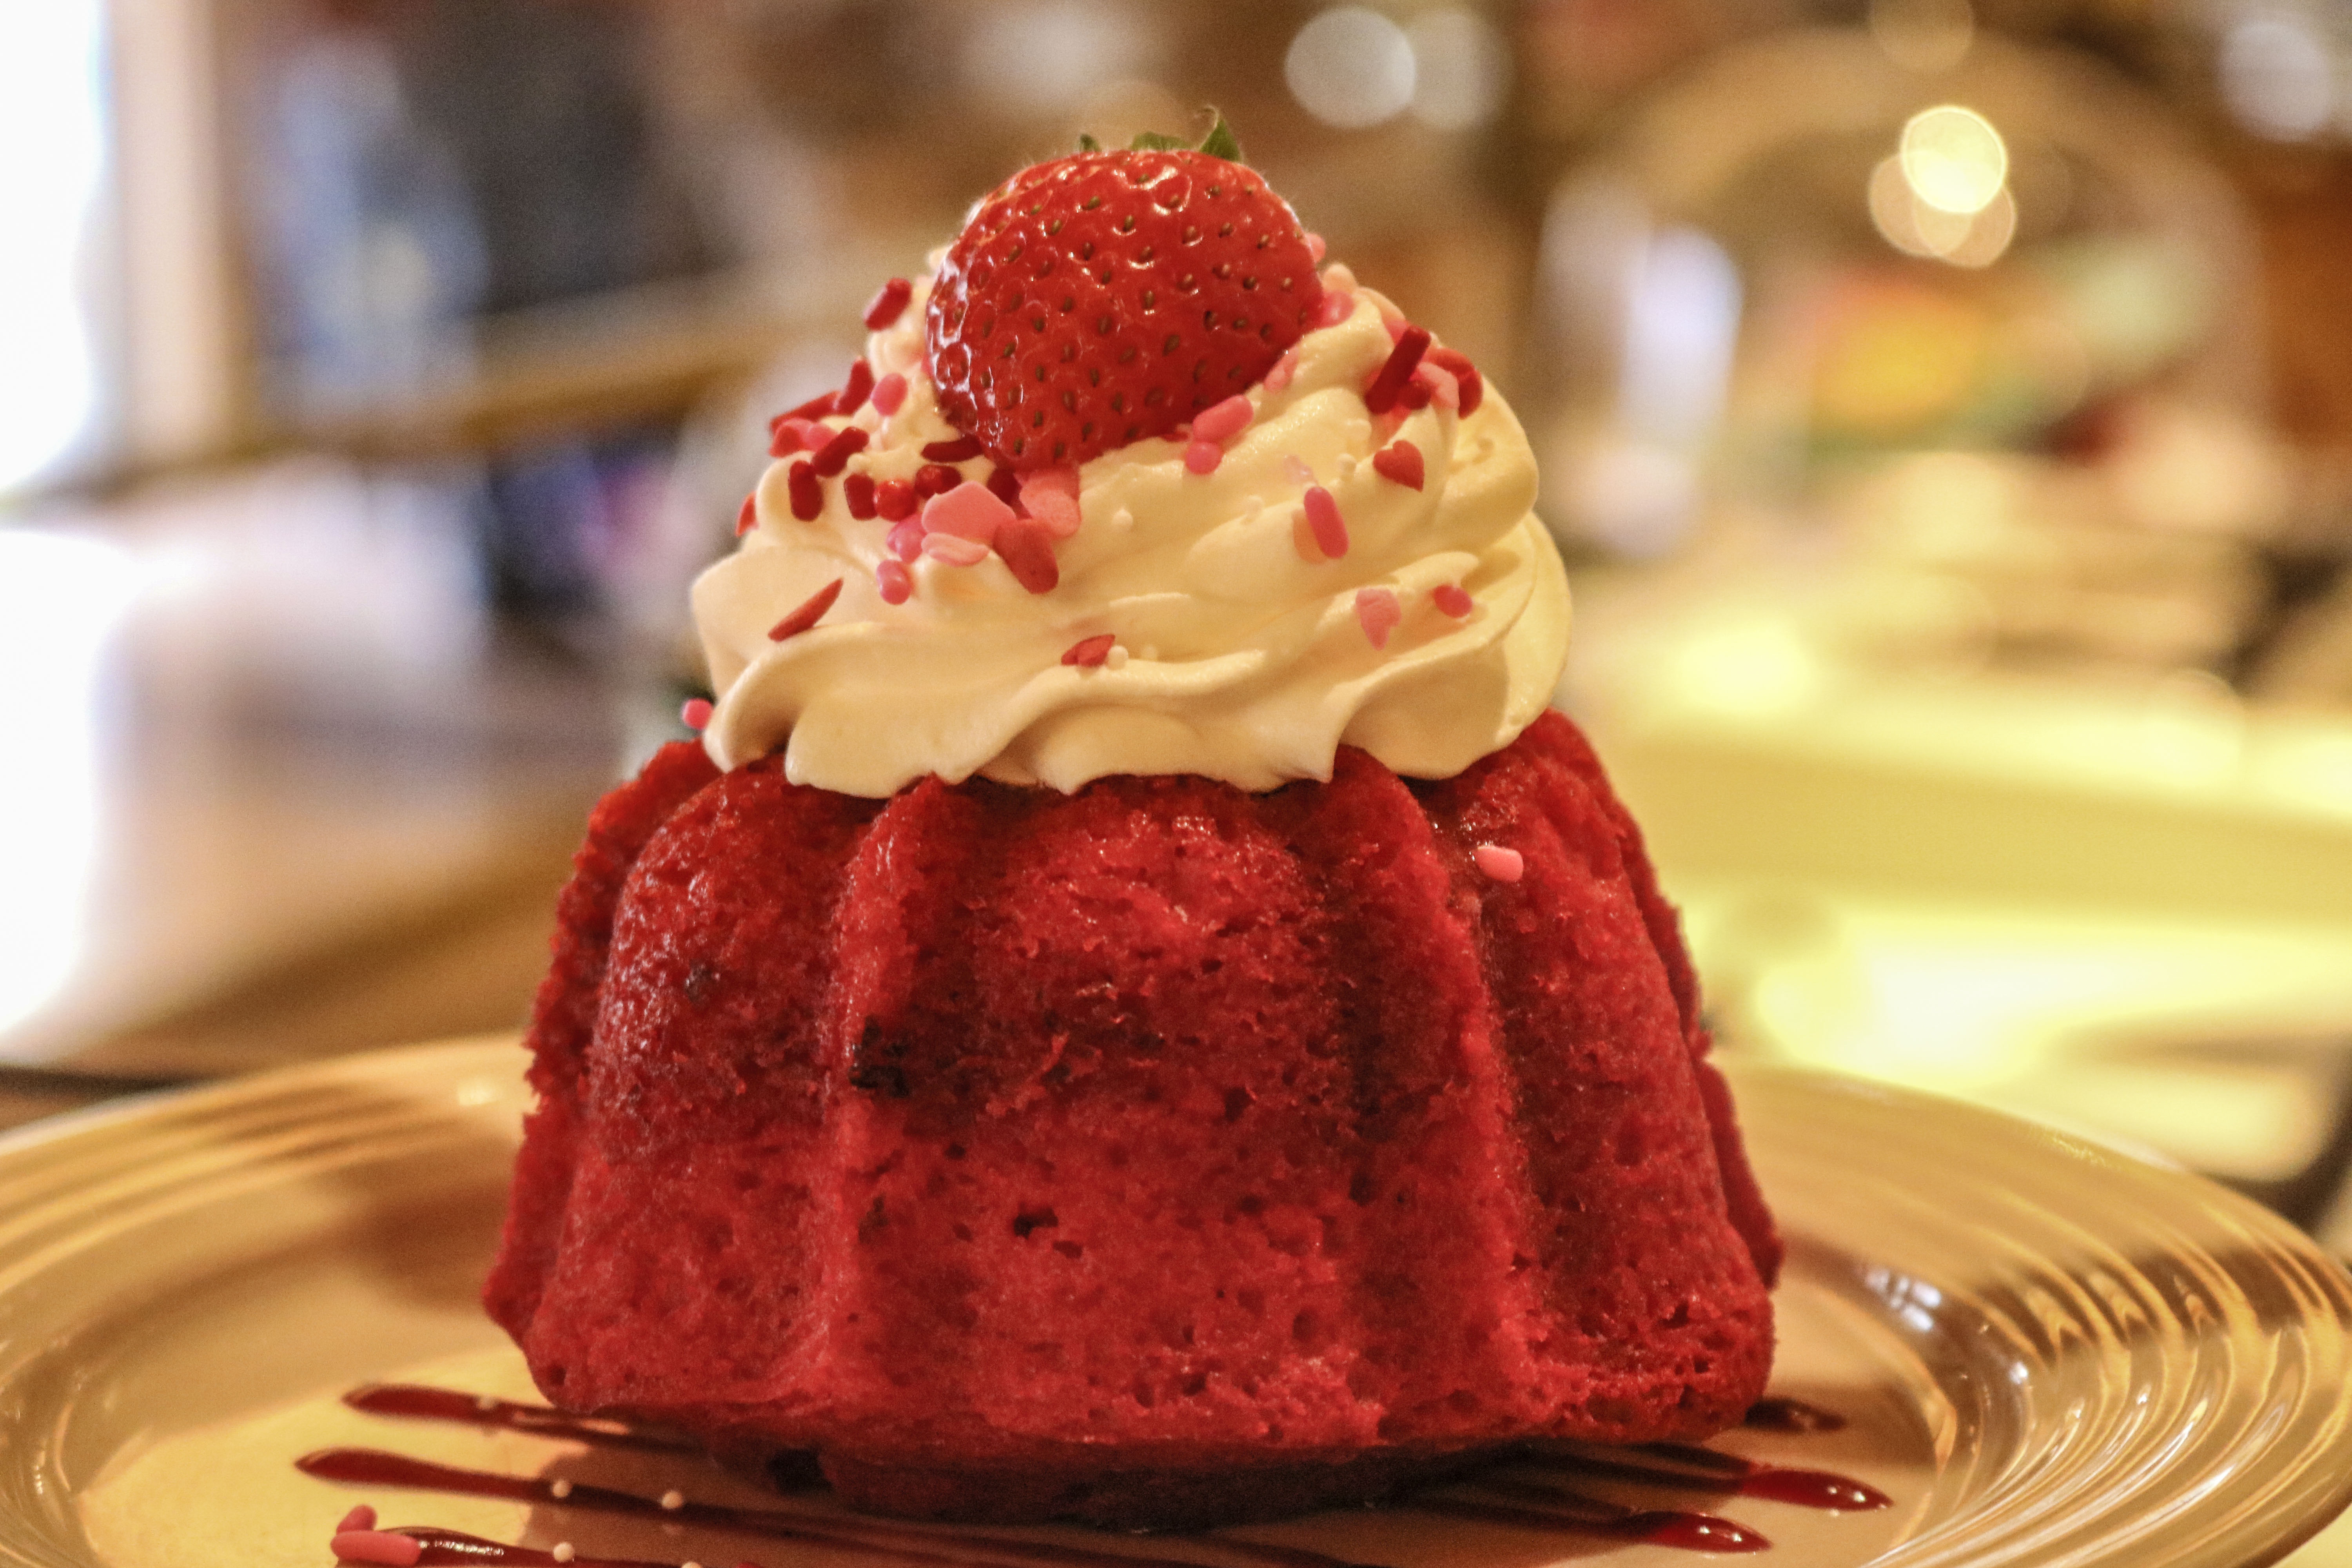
{"points": [[1135, 1012]]}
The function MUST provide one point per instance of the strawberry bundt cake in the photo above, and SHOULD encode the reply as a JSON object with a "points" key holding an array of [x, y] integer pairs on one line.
{"points": [[1134, 1011]]}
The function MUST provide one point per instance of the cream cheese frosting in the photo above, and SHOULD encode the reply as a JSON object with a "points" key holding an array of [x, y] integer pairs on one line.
{"points": [[1239, 653]]}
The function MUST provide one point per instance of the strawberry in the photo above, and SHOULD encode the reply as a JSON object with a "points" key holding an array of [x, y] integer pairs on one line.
{"points": [[1110, 296]]}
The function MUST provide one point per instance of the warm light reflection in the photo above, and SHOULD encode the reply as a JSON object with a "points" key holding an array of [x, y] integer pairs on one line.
{"points": [[60, 601], [1978, 237], [1350, 67], [1953, 159]]}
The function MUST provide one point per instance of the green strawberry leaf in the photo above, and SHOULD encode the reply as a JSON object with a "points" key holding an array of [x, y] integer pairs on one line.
{"points": [[1088, 143], [1221, 141], [1154, 141]]}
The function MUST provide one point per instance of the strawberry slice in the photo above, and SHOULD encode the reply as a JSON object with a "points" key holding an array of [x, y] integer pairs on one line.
{"points": [[1110, 296]]}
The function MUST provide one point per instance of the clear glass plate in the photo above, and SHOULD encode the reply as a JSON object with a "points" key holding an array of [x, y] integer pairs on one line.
{"points": [[2048, 1353]]}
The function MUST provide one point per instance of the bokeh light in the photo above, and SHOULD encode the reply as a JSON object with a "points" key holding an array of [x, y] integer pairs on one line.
{"points": [[1351, 67], [2276, 79], [1461, 66], [1953, 159]]}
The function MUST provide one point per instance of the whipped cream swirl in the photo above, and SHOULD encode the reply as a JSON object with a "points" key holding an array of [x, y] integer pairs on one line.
{"points": [[1240, 651]]}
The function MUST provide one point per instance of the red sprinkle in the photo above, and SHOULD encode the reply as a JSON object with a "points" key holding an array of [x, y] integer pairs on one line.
{"points": [[853, 393], [1381, 396], [894, 500], [1005, 485], [1028, 553], [835, 455], [376, 1547], [1466, 377], [888, 303], [1088, 652], [1415, 395], [894, 582], [747, 518], [694, 715], [936, 480], [1323, 517], [1400, 461], [858, 489], [1452, 600], [961, 450], [808, 615], [361, 1517], [807, 489], [1503, 864]]}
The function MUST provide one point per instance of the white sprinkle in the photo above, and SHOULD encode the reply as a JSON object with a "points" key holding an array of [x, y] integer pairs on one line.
{"points": [[1115, 658], [673, 1499], [1347, 465], [558, 1489], [1122, 518], [563, 1552]]}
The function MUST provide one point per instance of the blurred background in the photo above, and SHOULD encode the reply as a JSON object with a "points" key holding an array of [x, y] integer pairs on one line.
{"points": [[1946, 410]]}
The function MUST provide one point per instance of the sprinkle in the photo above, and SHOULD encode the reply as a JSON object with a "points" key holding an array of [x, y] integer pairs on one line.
{"points": [[1330, 528], [971, 510], [1051, 496], [1381, 396], [894, 582], [788, 435], [673, 1499], [1315, 249], [1377, 612], [835, 455], [1088, 653], [696, 716], [1116, 659], [1452, 599], [1223, 421], [1414, 395], [1203, 456], [1501, 864], [904, 539], [953, 550], [1295, 466], [963, 448], [558, 1489], [1393, 323], [888, 394], [1440, 385], [936, 480], [562, 1551], [1338, 275], [1470, 385], [858, 489], [1028, 554], [1334, 308], [894, 500], [807, 492], [888, 303], [747, 517], [860, 385], [361, 1517], [1284, 370], [1005, 485], [808, 615], [376, 1547], [1400, 461]]}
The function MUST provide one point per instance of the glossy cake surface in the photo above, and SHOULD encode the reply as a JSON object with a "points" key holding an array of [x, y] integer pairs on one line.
{"points": [[1154, 1153]]}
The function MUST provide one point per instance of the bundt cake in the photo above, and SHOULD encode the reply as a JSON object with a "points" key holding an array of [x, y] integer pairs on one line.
{"points": [[1135, 1011]]}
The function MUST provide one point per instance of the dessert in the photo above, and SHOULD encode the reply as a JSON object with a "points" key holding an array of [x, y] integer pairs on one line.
{"points": [[1136, 1010]]}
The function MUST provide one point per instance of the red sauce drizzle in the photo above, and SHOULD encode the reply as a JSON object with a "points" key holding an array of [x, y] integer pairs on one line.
{"points": [[1535, 1504]]}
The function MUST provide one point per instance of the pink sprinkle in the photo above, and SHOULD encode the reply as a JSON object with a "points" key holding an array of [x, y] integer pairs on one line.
{"points": [[1203, 456], [1051, 496], [1323, 517], [1315, 249], [1443, 390], [364, 1517], [811, 612], [971, 511], [1295, 466], [1395, 324], [894, 582], [1088, 652], [376, 1547], [1223, 421], [890, 393], [1337, 305], [954, 550], [696, 716], [904, 539], [1284, 370], [1452, 600], [1501, 864], [792, 436], [1377, 612]]}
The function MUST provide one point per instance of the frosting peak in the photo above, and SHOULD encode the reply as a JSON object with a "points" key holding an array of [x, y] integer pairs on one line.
{"points": [[1254, 628]]}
